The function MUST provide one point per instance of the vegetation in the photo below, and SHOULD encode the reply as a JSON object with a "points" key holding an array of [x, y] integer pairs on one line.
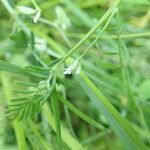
{"points": [[74, 75]]}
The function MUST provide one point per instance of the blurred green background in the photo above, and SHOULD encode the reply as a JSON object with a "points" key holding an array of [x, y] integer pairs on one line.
{"points": [[68, 22]]}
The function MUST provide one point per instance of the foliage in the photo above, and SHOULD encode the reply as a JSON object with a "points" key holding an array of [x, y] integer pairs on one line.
{"points": [[70, 81]]}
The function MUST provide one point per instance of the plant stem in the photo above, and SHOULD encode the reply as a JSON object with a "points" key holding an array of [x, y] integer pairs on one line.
{"points": [[123, 36], [36, 5], [99, 35]]}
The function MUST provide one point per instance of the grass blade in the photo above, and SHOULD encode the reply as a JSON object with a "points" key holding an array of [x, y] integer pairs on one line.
{"points": [[80, 113], [55, 108], [121, 127]]}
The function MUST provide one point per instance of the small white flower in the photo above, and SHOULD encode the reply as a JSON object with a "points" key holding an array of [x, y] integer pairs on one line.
{"points": [[37, 16], [26, 10], [74, 66], [71, 68], [67, 71]]}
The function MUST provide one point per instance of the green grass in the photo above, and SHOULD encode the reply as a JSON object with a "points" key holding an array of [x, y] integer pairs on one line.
{"points": [[74, 75]]}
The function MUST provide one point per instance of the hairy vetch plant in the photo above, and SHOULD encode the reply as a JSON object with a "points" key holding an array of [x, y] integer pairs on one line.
{"points": [[96, 74]]}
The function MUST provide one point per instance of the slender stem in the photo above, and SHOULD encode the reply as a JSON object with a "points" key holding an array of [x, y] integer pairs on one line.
{"points": [[99, 35], [123, 36], [68, 119], [36, 5], [38, 59]]}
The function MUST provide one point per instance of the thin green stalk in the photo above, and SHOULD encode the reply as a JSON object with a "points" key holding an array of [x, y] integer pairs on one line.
{"points": [[68, 120], [38, 59], [32, 42], [81, 114], [67, 114], [36, 5], [100, 34], [123, 36]]}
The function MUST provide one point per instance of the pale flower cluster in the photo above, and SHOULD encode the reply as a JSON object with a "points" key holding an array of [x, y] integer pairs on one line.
{"points": [[75, 66]]}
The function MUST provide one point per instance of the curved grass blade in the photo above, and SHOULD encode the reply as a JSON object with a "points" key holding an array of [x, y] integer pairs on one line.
{"points": [[121, 127], [80, 113]]}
